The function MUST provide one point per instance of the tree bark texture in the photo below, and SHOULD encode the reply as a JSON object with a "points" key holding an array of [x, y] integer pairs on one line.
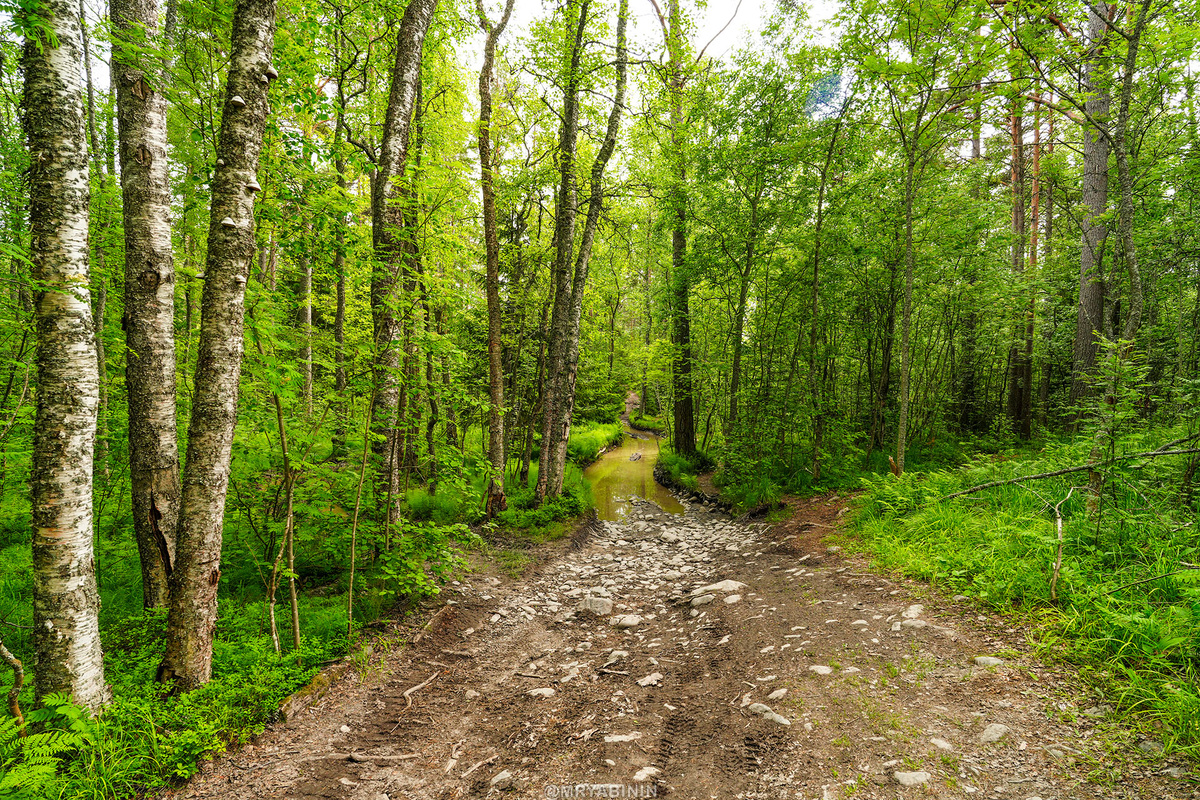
{"points": [[149, 293], [187, 663], [496, 501], [1090, 316], [66, 602], [390, 233], [906, 318], [566, 208]]}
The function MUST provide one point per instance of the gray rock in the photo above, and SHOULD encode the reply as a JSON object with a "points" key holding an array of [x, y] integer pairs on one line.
{"points": [[993, 733], [913, 623], [771, 716], [650, 680], [600, 606], [941, 744], [627, 621], [733, 598], [988, 661], [669, 537], [821, 669], [912, 778], [759, 708], [1149, 746], [543, 692], [913, 611], [720, 586], [703, 600], [502, 780], [833, 550], [778, 694]]}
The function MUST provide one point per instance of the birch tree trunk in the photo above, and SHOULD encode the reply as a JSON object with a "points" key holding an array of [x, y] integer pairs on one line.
{"points": [[389, 230], [66, 602], [149, 293], [565, 210], [496, 501], [193, 606]]}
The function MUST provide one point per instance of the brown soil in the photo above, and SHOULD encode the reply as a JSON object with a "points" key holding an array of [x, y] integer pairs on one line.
{"points": [[693, 733]]}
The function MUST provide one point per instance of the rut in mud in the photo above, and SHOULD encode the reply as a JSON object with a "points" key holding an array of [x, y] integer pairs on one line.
{"points": [[802, 675]]}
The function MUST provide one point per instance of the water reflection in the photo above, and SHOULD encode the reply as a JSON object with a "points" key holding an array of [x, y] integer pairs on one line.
{"points": [[628, 471]]}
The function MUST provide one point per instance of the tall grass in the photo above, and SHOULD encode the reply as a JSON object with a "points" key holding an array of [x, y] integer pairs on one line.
{"points": [[1141, 641]]}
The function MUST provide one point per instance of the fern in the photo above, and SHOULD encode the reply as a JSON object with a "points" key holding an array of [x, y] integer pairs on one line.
{"points": [[29, 764]]}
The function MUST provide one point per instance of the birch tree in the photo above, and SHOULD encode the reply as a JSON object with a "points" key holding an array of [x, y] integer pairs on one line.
{"points": [[149, 291], [192, 617], [66, 603]]}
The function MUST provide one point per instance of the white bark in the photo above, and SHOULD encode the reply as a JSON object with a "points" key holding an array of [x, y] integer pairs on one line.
{"points": [[66, 602]]}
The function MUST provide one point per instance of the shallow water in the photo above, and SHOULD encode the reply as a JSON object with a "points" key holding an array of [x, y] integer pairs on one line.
{"points": [[615, 479]]}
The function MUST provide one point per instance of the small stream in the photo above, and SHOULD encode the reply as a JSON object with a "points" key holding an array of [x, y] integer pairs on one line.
{"points": [[626, 472]]}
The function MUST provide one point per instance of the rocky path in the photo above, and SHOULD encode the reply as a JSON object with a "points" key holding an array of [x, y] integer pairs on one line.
{"points": [[698, 657]]}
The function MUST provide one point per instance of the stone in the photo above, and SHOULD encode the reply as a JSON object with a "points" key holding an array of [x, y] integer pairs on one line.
{"points": [[778, 694], [771, 716], [733, 598], [627, 621], [600, 606], [833, 550], [472, 694], [645, 773], [913, 611], [941, 744], [723, 587], [623, 737], [669, 537], [344, 729], [650, 680], [959, 598], [988, 661], [759, 708], [502, 779], [1149, 746], [545, 691], [703, 600], [993, 733], [912, 778], [821, 669], [913, 623]]}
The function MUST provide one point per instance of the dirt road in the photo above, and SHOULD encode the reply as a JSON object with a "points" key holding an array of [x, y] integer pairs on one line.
{"points": [[613, 669]]}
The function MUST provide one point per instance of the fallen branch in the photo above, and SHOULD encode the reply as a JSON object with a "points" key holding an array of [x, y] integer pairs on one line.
{"points": [[479, 764], [1071, 470], [1183, 567], [14, 706], [364, 758], [408, 697]]}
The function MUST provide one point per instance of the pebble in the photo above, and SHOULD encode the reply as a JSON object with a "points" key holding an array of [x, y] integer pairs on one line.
{"points": [[501, 779], [913, 623], [472, 694], [703, 600], [912, 778], [988, 661], [993, 733], [545, 691], [941, 744], [627, 621], [778, 694], [344, 729], [650, 680], [600, 606], [669, 537], [733, 598], [721, 586], [820, 669], [645, 773], [913, 611], [623, 737]]}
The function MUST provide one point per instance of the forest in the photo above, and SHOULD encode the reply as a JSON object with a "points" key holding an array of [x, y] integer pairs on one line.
{"points": [[308, 303]]}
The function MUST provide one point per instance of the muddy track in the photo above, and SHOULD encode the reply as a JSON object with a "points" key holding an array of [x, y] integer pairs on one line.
{"points": [[813, 678]]}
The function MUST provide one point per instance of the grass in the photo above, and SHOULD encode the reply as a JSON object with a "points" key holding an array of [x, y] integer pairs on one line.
{"points": [[1139, 643]]}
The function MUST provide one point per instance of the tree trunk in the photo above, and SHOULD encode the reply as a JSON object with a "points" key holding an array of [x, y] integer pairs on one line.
{"points": [[149, 293], [339, 315], [906, 317], [187, 663], [1090, 316], [390, 232], [1125, 181], [66, 602], [566, 208], [1020, 369], [496, 501], [565, 403]]}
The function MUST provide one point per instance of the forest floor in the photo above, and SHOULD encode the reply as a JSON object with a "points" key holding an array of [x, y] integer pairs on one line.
{"points": [[871, 684]]}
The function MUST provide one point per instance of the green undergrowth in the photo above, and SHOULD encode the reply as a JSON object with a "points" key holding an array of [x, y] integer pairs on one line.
{"points": [[587, 440], [648, 423], [1139, 640], [684, 470]]}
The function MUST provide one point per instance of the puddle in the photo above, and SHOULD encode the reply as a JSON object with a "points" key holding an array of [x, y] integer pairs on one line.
{"points": [[615, 478]]}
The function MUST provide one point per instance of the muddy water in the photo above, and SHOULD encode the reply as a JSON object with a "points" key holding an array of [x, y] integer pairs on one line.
{"points": [[615, 478]]}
